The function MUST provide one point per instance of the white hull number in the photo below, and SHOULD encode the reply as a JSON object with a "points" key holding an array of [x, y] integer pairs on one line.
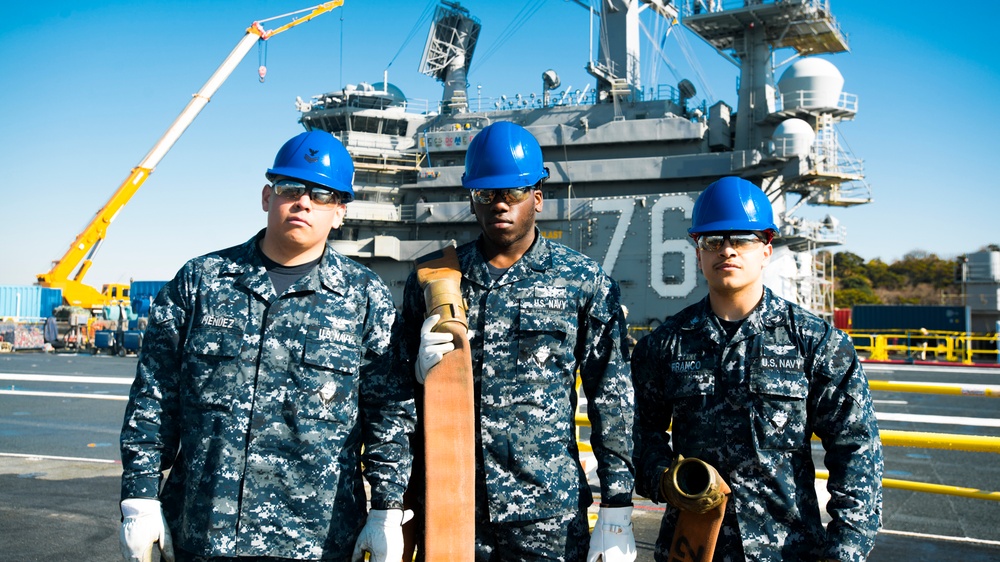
{"points": [[658, 246]]}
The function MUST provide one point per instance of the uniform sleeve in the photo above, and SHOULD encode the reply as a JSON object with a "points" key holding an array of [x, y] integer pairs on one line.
{"points": [[412, 318], [653, 453], [607, 383], [845, 422], [387, 407], [150, 433]]}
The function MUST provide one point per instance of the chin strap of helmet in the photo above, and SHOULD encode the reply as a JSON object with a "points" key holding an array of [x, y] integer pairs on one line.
{"points": [[448, 418]]}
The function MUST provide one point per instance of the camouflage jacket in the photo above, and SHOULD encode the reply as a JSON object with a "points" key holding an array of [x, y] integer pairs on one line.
{"points": [[259, 405], [749, 407], [553, 312]]}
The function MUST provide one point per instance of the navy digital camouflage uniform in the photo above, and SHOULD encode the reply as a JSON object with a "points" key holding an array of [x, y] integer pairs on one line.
{"points": [[749, 407], [259, 405], [552, 312]]}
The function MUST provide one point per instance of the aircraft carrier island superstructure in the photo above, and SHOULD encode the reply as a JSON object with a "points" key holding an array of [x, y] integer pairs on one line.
{"points": [[626, 162]]}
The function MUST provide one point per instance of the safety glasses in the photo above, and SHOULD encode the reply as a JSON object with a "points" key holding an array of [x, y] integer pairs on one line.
{"points": [[738, 241], [510, 195], [294, 190]]}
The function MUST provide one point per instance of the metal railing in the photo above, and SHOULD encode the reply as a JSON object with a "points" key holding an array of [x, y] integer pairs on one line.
{"points": [[898, 438], [937, 388], [915, 345], [815, 99]]}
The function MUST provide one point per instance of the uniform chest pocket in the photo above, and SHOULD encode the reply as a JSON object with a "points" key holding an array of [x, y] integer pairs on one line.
{"points": [[691, 387], [211, 367], [779, 407], [545, 343], [325, 386]]}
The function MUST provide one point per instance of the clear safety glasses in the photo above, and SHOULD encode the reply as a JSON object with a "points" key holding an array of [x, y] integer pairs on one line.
{"points": [[510, 195], [294, 190], [739, 241]]}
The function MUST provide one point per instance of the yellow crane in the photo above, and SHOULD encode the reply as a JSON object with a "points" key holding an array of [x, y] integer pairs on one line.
{"points": [[79, 257]]}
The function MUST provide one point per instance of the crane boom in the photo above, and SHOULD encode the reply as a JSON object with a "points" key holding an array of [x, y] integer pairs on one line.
{"points": [[79, 257]]}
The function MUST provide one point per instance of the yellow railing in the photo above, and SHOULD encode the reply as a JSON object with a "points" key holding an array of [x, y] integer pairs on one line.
{"points": [[986, 390], [948, 441], [929, 488], [897, 438], [927, 345], [894, 438]]}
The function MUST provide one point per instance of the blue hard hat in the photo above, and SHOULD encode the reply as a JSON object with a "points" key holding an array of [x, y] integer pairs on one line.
{"points": [[316, 157], [501, 156], [729, 204]]}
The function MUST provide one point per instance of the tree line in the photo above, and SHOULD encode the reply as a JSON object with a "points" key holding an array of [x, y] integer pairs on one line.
{"points": [[918, 278]]}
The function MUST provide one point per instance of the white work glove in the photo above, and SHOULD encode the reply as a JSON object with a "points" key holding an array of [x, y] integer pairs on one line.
{"points": [[382, 536], [433, 346], [612, 539], [142, 526]]}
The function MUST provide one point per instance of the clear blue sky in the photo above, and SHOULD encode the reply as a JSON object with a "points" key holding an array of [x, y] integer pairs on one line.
{"points": [[89, 87]]}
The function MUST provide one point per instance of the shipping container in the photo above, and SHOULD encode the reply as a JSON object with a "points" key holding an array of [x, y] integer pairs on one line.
{"points": [[842, 318], [910, 317], [142, 294], [28, 301]]}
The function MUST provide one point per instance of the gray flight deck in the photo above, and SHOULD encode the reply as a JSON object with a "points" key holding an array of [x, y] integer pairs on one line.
{"points": [[60, 467]]}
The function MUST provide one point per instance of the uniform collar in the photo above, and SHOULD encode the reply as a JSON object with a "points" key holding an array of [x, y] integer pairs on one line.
{"points": [[538, 258], [769, 313], [250, 272], [700, 321], [331, 272]]}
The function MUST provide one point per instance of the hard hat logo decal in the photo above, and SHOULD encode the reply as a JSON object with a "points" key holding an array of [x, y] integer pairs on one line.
{"points": [[316, 157]]}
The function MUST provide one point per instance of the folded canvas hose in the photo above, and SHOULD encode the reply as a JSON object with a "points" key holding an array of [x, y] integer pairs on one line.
{"points": [[448, 419], [697, 489]]}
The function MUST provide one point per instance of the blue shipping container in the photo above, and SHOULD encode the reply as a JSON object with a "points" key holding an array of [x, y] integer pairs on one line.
{"points": [[910, 317], [28, 301], [142, 294]]}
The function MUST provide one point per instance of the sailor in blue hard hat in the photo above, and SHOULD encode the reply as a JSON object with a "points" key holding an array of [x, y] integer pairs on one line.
{"points": [[733, 225], [310, 184], [504, 164], [742, 380], [540, 315], [265, 380]]}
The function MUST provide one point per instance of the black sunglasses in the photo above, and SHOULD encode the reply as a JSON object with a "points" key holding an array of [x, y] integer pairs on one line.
{"points": [[294, 190]]}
